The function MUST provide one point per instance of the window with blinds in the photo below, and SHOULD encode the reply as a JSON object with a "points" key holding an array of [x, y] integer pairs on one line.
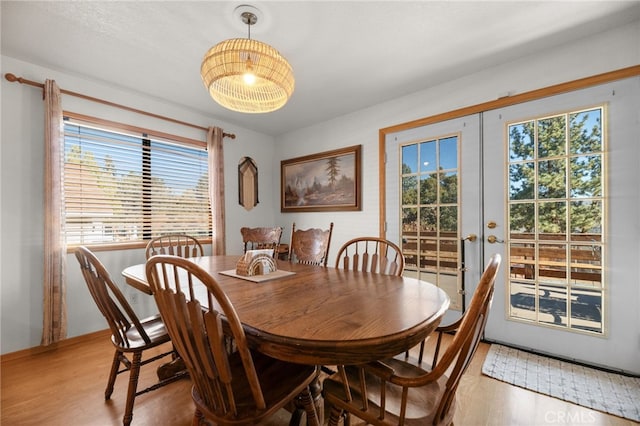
{"points": [[123, 187]]}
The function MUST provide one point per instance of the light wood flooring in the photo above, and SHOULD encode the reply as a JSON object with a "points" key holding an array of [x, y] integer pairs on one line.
{"points": [[65, 386]]}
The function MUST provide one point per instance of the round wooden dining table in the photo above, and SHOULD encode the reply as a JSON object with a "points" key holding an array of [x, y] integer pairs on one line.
{"points": [[324, 316]]}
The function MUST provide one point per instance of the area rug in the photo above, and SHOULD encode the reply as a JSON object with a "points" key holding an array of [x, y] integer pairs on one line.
{"points": [[611, 393]]}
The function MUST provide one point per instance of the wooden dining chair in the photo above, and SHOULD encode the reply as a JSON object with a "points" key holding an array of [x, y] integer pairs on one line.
{"points": [[395, 392], [182, 245], [310, 246], [371, 254], [129, 335], [261, 238], [239, 388]]}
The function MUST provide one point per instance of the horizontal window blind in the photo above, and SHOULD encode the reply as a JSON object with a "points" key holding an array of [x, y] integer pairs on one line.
{"points": [[124, 187]]}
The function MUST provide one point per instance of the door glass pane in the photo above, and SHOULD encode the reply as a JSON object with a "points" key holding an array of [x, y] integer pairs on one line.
{"points": [[586, 176], [553, 263], [586, 310], [586, 131], [522, 220], [410, 254], [410, 236], [449, 187], [586, 219], [429, 188], [522, 301], [449, 221], [448, 153], [522, 181], [410, 190], [552, 220], [409, 159], [553, 305], [448, 259], [586, 265], [428, 161], [428, 221], [551, 137], [429, 254], [522, 261], [430, 213], [552, 179], [521, 144], [556, 207]]}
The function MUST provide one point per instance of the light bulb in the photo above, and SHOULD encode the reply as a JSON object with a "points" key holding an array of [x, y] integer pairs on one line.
{"points": [[249, 77]]}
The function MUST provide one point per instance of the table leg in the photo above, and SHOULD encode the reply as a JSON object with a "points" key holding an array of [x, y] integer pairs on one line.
{"points": [[315, 389]]}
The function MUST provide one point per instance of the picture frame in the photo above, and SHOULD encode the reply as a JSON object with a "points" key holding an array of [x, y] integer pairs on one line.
{"points": [[326, 181]]}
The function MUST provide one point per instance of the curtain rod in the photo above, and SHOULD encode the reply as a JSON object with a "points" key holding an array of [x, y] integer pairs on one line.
{"points": [[12, 78]]}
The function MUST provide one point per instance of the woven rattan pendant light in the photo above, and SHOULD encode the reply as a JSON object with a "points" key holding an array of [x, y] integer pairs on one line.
{"points": [[246, 75]]}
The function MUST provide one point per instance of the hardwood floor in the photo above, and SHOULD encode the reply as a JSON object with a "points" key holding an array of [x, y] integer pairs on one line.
{"points": [[65, 386]]}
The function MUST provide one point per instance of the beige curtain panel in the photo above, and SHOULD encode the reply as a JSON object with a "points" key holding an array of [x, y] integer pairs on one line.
{"points": [[54, 304], [216, 189]]}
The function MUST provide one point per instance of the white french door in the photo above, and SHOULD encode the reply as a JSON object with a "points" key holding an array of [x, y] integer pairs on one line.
{"points": [[563, 213]]}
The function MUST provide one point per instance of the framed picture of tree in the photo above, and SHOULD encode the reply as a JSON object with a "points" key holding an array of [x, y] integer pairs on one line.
{"points": [[327, 181]]}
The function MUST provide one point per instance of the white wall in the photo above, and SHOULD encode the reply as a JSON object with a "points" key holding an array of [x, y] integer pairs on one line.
{"points": [[22, 182]]}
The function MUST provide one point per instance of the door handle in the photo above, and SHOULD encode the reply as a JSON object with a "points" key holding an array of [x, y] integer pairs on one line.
{"points": [[492, 239]]}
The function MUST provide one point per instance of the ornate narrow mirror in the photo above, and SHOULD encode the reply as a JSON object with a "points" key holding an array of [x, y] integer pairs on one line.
{"points": [[247, 183]]}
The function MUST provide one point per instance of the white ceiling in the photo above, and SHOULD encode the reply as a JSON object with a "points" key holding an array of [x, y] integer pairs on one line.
{"points": [[346, 55]]}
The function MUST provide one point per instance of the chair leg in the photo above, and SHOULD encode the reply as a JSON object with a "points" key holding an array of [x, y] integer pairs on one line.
{"points": [[334, 416], [134, 372], [421, 352], [112, 375]]}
